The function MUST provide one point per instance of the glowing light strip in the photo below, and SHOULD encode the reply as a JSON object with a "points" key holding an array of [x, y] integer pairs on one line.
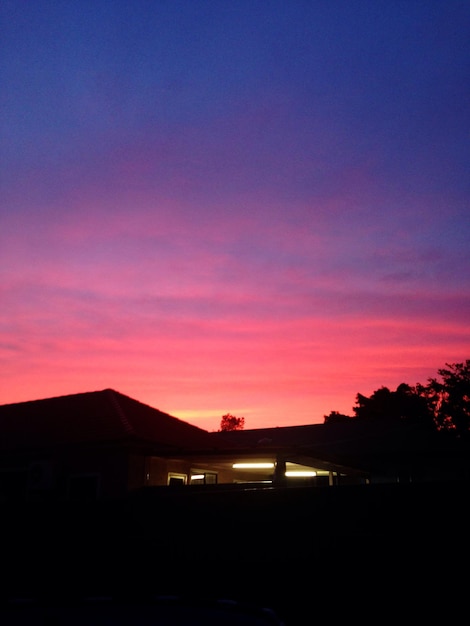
{"points": [[197, 476], [252, 465], [293, 474]]}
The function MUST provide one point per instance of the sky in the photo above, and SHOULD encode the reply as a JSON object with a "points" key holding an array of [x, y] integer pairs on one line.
{"points": [[256, 207]]}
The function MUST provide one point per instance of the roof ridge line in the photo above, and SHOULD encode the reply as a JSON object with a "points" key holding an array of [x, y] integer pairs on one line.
{"points": [[122, 416]]}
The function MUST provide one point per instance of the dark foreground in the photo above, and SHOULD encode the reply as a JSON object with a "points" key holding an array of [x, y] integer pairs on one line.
{"points": [[378, 554]]}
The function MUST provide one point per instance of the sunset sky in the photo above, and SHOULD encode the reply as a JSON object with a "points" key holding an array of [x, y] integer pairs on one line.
{"points": [[253, 207]]}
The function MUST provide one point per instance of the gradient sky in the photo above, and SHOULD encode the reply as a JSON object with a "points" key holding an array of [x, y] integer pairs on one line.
{"points": [[252, 207]]}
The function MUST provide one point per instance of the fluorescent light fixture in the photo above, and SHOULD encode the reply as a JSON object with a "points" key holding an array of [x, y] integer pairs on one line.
{"points": [[300, 473], [252, 465], [197, 476]]}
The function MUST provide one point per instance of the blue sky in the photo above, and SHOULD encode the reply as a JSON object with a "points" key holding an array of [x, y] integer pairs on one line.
{"points": [[251, 207]]}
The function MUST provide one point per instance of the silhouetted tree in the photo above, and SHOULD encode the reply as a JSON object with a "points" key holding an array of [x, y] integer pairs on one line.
{"points": [[449, 398], [230, 422], [443, 404], [334, 417], [406, 405]]}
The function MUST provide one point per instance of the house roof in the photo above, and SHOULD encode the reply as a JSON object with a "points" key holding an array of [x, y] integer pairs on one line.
{"points": [[108, 416], [354, 444], [355, 433], [97, 416]]}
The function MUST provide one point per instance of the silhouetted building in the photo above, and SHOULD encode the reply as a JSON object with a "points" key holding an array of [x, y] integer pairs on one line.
{"points": [[105, 445]]}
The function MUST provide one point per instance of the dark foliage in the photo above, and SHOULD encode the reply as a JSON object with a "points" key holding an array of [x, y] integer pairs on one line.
{"points": [[443, 404], [405, 404], [230, 422], [337, 418], [448, 397]]}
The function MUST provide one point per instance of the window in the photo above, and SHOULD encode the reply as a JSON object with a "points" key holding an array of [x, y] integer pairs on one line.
{"points": [[176, 479], [204, 478]]}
